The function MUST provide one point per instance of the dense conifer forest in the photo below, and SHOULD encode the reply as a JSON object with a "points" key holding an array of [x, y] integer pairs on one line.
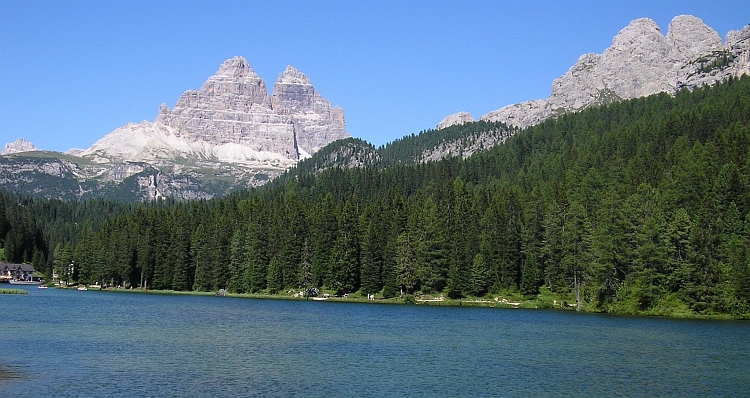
{"points": [[639, 205]]}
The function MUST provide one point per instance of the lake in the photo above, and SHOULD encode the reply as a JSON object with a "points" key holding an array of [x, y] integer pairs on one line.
{"points": [[100, 344]]}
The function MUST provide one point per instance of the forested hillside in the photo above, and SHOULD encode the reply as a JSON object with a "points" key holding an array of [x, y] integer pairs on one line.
{"points": [[636, 207]]}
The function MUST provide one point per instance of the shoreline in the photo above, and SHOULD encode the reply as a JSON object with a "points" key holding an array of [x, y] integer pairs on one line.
{"points": [[496, 302]]}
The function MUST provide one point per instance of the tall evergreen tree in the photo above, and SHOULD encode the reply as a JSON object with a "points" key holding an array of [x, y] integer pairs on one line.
{"points": [[238, 262], [201, 259], [371, 246], [274, 279], [407, 264], [344, 269], [479, 281]]}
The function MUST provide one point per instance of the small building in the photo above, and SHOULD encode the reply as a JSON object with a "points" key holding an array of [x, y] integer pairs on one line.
{"points": [[19, 272]]}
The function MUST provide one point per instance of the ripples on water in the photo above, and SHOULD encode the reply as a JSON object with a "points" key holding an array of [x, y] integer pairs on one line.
{"points": [[70, 343]]}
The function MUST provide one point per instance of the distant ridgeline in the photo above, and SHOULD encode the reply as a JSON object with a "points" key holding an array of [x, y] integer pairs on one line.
{"points": [[641, 206]]}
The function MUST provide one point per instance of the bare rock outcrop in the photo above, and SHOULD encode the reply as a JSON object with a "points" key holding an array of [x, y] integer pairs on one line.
{"points": [[454, 119], [641, 61], [19, 145]]}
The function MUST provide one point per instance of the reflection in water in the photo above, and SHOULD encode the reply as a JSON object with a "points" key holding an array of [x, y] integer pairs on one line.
{"points": [[10, 373]]}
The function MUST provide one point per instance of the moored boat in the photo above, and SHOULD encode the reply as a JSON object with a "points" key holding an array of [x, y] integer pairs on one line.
{"points": [[19, 282]]}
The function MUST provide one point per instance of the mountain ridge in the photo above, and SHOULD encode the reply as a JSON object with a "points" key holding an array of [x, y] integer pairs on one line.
{"points": [[231, 133], [205, 138], [640, 61]]}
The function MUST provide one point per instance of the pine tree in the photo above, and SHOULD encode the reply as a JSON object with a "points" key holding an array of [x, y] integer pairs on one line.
{"points": [[554, 275], [4, 225], [479, 281], [183, 268], [201, 258], [533, 236], [237, 263], [323, 226], [344, 269], [292, 237], [432, 249], [372, 242], [274, 279], [257, 250], [305, 274], [453, 287], [63, 262], [406, 262]]}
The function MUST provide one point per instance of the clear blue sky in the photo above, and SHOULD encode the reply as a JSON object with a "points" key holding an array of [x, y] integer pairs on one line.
{"points": [[73, 71]]}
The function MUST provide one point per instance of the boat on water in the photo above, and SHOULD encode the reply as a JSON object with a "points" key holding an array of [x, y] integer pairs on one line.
{"points": [[42, 287], [82, 288], [20, 282]]}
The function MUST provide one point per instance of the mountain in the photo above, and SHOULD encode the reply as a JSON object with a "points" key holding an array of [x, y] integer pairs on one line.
{"points": [[19, 145], [229, 134], [232, 134], [641, 61], [232, 118]]}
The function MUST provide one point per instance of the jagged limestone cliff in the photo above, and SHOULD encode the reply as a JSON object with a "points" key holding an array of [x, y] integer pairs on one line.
{"points": [[641, 61], [228, 134]]}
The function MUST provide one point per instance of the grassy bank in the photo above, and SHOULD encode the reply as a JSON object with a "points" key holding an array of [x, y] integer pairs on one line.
{"points": [[13, 291]]}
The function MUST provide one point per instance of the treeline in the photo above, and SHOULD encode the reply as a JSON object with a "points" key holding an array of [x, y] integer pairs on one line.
{"points": [[633, 207], [409, 149]]}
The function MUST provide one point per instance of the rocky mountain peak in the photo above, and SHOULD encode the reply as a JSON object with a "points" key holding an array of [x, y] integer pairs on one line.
{"points": [[292, 76], [232, 118], [454, 119], [691, 37], [640, 62], [234, 86], [636, 28], [236, 67], [19, 145]]}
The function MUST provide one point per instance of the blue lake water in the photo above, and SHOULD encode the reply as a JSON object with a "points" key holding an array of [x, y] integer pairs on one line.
{"points": [[80, 344]]}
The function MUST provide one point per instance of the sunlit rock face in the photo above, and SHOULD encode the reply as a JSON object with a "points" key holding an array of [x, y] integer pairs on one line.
{"points": [[228, 134], [455, 119], [19, 145], [641, 61], [233, 118]]}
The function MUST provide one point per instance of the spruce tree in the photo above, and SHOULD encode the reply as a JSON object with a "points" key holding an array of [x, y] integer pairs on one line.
{"points": [[203, 253], [237, 263], [479, 281], [344, 269], [274, 279], [406, 262]]}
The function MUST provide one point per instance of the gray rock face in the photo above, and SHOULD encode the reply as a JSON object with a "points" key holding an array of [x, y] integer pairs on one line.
{"points": [[315, 123], [454, 119], [232, 112], [640, 62], [230, 133], [19, 145]]}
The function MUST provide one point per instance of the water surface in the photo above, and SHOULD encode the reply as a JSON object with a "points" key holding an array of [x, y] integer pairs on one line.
{"points": [[71, 343]]}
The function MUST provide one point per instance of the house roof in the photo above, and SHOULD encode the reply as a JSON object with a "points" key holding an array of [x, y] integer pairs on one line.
{"points": [[15, 267]]}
